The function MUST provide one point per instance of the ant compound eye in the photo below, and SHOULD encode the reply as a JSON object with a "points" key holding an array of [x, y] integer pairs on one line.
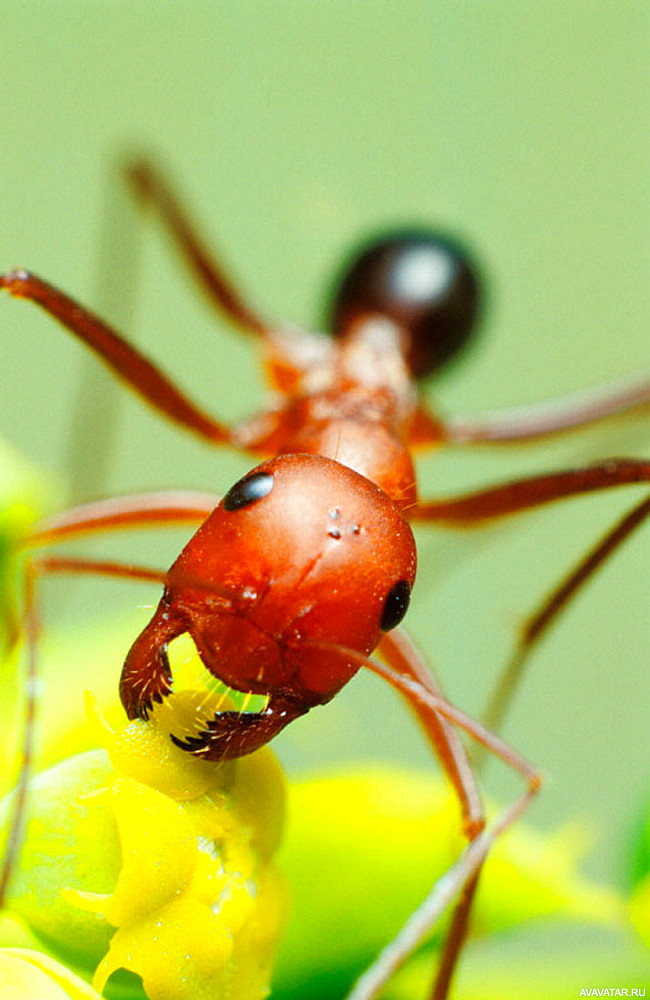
{"points": [[395, 605], [248, 490]]}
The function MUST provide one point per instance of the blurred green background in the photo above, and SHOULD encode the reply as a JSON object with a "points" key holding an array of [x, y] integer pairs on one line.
{"points": [[296, 128]]}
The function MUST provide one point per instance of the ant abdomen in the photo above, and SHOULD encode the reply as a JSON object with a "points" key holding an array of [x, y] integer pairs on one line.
{"points": [[422, 281]]}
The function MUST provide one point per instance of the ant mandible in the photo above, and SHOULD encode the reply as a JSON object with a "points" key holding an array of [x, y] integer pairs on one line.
{"points": [[306, 565]]}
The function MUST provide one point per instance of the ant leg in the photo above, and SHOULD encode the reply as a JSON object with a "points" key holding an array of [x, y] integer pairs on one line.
{"points": [[140, 374], [511, 498], [461, 878], [550, 608], [151, 188], [521, 423], [522, 494], [101, 567], [138, 510], [401, 654]]}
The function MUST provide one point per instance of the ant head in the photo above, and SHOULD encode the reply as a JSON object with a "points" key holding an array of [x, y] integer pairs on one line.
{"points": [[314, 553], [421, 281]]}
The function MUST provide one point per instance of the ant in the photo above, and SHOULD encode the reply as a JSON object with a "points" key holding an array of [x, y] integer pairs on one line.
{"points": [[306, 565]]}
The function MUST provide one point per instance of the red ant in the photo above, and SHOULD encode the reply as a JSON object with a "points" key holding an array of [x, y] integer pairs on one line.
{"points": [[306, 565]]}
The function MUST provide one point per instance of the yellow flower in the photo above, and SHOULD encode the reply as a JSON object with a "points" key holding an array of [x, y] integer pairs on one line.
{"points": [[172, 851]]}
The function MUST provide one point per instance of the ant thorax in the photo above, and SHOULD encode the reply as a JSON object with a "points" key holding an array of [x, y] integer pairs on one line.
{"points": [[350, 399]]}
